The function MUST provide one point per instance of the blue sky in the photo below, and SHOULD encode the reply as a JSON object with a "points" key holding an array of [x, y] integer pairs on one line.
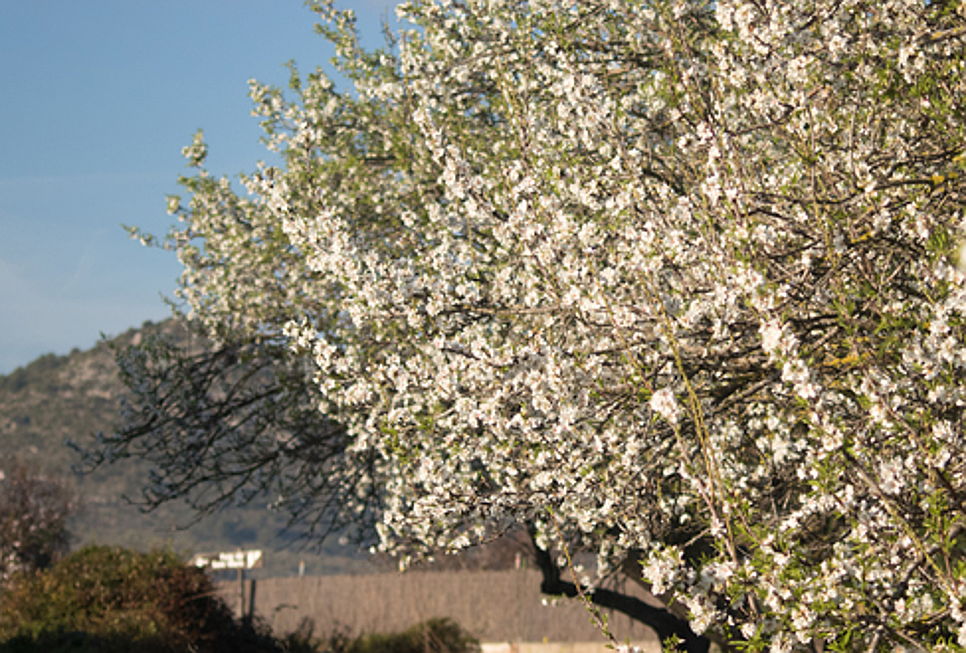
{"points": [[99, 98]]}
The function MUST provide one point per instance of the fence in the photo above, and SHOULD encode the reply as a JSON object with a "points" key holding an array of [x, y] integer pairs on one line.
{"points": [[496, 606]]}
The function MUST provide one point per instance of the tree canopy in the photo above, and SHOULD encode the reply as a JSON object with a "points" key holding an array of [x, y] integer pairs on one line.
{"points": [[674, 281]]}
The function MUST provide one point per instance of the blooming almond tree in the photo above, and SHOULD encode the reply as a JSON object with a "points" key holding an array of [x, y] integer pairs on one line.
{"points": [[673, 281]]}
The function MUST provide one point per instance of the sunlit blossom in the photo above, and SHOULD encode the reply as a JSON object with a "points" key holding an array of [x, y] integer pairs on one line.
{"points": [[683, 277]]}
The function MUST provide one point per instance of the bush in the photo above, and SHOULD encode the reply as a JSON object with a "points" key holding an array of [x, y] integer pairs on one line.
{"points": [[432, 636], [440, 635], [113, 599]]}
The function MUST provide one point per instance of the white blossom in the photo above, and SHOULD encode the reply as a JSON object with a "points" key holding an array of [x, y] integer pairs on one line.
{"points": [[522, 237]]}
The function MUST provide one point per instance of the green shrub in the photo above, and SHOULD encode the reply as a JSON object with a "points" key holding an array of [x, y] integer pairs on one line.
{"points": [[432, 636], [113, 600]]}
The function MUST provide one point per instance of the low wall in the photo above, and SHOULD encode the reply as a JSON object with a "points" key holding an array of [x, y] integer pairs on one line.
{"points": [[495, 606], [650, 646]]}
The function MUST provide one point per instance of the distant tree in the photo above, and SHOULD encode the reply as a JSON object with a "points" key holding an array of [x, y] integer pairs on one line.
{"points": [[34, 510]]}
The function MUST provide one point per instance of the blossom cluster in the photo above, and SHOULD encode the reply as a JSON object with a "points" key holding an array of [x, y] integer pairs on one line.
{"points": [[677, 277]]}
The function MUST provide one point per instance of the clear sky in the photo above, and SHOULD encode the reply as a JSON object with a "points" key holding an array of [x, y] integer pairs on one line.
{"points": [[98, 99]]}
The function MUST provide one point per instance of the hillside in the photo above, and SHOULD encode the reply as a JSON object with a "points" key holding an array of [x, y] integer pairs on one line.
{"points": [[55, 398]]}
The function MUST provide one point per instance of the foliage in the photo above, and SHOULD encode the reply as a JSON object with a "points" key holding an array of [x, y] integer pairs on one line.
{"points": [[433, 636], [39, 371], [439, 635], [34, 511], [113, 599], [672, 281]]}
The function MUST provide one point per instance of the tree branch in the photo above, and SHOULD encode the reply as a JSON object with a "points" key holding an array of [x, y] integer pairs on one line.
{"points": [[665, 624]]}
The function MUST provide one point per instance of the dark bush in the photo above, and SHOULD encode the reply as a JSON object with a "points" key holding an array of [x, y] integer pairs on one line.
{"points": [[432, 636], [117, 600]]}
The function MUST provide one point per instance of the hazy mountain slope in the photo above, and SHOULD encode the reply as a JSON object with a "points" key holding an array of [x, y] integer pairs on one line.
{"points": [[75, 396]]}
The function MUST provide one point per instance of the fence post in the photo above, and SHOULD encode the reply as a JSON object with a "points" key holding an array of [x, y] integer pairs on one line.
{"points": [[241, 594], [251, 600]]}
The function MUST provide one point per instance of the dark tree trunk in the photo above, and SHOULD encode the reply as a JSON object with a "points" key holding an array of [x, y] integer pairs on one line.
{"points": [[665, 624]]}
